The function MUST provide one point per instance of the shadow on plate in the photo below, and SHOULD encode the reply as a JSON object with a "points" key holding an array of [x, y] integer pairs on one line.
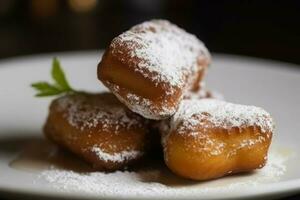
{"points": [[34, 153]]}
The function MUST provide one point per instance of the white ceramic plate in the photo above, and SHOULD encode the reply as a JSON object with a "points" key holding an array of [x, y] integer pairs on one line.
{"points": [[272, 85]]}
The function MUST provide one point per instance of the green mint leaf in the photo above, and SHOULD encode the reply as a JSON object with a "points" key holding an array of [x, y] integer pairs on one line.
{"points": [[43, 86], [58, 76], [47, 94], [46, 89], [60, 85]]}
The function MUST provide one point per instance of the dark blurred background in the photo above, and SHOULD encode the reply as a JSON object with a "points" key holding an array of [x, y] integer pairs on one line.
{"points": [[268, 29]]}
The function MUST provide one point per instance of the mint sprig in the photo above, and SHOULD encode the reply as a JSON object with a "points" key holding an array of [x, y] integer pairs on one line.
{"points": [[60, 85]]}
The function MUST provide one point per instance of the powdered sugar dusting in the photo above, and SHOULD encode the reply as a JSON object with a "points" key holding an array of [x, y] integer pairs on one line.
{"points": [[147, 184], [85, 111], [142, 105], [116, 157], [221, 114], [164, 51]]}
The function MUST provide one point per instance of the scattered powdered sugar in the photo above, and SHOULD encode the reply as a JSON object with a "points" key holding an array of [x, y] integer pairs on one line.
{"points": [[222, 114], [143, 106], [147, 184], [165, 52], [139, 104], [275, 166], [116, 157], [85, 111]]}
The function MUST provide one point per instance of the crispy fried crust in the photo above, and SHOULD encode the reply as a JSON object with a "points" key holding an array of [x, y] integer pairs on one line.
{"points": [[216, 152]]}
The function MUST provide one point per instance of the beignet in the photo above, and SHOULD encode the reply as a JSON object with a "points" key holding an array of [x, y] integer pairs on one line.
{"points": [[209, 138], [98, 128], [151, 66]]}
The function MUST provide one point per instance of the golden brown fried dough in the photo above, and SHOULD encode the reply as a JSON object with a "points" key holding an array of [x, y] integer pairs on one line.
{"points": [[208, 138], [151, 66], [98, 128]]}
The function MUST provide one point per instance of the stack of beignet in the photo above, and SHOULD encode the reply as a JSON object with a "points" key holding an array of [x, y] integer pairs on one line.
{"points": [[155, 72]]}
